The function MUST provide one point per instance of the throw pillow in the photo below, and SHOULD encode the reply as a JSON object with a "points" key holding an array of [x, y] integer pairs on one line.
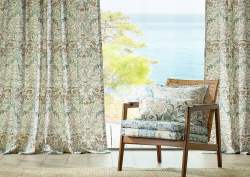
{"points": [[159, 109], [196, 92]]}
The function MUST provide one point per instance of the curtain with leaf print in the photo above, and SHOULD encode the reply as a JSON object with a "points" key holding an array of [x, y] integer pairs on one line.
{"points": [[227, 58], [51, 78]]}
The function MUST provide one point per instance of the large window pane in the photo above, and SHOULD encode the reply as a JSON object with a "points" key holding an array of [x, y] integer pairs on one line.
{"points": [[145, 42]]}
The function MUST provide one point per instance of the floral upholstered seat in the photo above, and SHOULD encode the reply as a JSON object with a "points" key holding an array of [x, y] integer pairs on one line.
{"points": [[163, 130], [162, 135], [163, 126]]}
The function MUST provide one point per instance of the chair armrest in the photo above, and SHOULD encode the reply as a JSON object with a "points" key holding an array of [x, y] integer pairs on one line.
{"points": [[125, 108], [133, 104], [201, 107]]}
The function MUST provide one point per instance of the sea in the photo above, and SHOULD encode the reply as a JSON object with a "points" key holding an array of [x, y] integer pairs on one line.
{"points": [[176, 40]]}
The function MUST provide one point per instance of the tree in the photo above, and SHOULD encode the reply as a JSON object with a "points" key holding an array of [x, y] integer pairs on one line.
{"points": [[122, 70]]}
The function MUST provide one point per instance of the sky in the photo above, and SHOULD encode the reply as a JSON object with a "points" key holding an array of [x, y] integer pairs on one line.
{"points": [[155, 6]]}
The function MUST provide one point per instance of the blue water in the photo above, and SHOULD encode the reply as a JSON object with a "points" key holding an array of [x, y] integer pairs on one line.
{"points": [[176, 40]]}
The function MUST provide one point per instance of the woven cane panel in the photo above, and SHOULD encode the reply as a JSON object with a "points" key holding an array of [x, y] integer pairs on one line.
{"points": [[205, 116]]}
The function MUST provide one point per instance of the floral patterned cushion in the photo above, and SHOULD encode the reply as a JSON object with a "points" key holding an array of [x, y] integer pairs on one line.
{"points": [[158, 109], [201, 113], [184, 86], [162, 135], [163, 126], [184, 92]]}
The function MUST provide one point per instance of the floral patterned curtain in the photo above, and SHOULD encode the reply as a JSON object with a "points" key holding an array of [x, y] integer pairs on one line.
{"points": [[227, 57], [51, 78]]}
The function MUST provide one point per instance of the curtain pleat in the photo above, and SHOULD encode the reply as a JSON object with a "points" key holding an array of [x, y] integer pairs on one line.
{"points": [[51, 78], [227, 58]]}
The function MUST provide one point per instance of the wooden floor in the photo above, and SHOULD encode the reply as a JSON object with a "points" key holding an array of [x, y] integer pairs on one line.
{"points": [[132, 158]]}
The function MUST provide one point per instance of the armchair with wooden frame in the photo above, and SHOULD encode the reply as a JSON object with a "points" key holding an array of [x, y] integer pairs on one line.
{"points": [[208, 108]]}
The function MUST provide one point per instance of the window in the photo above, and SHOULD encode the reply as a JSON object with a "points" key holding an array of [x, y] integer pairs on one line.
{"points": [[145, 42]]}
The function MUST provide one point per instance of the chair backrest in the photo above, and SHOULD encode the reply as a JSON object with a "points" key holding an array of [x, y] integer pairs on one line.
{"points": [[207, 116]]}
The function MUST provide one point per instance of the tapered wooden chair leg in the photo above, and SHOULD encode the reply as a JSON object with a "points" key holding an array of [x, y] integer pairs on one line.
{"points": [[121, 152], [158, 153], [186, 143], [219, 158], [218, 138], [184, 162]]}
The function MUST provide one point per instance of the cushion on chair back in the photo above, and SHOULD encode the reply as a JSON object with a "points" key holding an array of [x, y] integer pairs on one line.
{"points": [[159, 109], [201, 113], [196, 92]]}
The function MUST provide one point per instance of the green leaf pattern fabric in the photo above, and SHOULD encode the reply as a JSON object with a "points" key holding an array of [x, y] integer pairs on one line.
{"points": [[158, 109], [51, 77], [227, 58], [197, 93], [145, 133], [163, 126]]}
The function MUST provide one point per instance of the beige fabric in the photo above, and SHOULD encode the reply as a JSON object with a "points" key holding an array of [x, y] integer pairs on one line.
{"points": [[127, 172]]}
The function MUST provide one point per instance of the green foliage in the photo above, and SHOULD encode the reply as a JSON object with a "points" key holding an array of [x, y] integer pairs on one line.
{"points": [[123, 70]]}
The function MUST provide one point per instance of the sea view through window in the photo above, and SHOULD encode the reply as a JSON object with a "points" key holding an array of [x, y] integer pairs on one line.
{"points": [[171, 45]]}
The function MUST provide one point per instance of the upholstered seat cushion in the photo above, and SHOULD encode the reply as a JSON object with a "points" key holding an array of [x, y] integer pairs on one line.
{"points": [[162, 135], [163, 126]]}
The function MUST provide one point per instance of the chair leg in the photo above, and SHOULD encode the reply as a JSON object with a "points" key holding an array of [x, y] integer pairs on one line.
{"points": [[121, 152], [184, 162], [218, 140], [158, 153], [186, 143], [219, 158]]}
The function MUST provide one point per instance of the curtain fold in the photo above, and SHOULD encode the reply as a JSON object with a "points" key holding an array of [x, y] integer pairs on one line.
{"points": [[51, 77], [227, 58]]}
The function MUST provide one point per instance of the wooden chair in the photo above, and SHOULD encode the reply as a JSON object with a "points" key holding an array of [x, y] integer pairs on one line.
{"points": [[207, 108]]}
